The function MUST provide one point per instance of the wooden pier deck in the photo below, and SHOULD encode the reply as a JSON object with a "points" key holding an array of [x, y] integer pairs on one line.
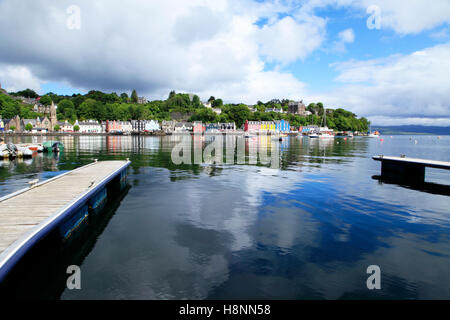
{"points": [[410, 169], [29, 214]]}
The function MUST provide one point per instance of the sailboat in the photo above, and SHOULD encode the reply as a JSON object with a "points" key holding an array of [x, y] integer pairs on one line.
{"points": [[325, 132]]}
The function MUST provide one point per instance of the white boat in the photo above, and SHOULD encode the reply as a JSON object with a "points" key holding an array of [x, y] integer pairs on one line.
{"points": [[326, 135], [37, 147], [324, 132]]}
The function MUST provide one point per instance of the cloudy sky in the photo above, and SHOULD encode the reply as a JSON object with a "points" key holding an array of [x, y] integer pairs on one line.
{"points": [[387, 60]]}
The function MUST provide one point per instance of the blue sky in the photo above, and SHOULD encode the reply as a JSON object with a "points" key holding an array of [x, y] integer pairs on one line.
{"points": [[240, 50]]}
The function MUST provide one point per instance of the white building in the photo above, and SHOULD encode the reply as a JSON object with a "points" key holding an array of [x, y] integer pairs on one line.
{"points": [[152, 125], [65, 126], [89, 126], [126, 126]]}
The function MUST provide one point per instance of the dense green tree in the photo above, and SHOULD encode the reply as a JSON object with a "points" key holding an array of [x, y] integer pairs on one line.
{"points": [[134, 97], [196, 103], [205, 115], [86, 109], [46, 100], [57, 128], [27, 93], [29, 127], [76, 128], [65, 104], [217, 103]]}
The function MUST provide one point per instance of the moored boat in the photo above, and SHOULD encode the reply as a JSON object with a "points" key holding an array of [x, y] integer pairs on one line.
{"points": [[11, 151], [53, 146], [35, 147]]}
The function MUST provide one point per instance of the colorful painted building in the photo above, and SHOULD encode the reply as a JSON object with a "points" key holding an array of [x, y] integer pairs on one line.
{"points": [[282, 126]]}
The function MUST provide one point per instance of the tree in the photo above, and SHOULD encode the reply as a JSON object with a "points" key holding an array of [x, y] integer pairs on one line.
{"points": [[171, 94], [124, 98], [211, 99], [46, 100], [76, 128], [134, 97], [12, 128], [57, 128], [217, 103], [65, 104], [87, 109], [196, 103], [29, 127], [27, 93]]}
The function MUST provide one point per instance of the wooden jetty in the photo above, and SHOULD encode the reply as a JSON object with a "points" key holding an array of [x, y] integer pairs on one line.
{"points": [[408, 169], [61, 203]]}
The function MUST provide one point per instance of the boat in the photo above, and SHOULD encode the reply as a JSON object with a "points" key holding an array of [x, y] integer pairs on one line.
{"points": [[35, 147], [326, 135], [324, 132], [53, 146], [374, 134], [11, 151]]}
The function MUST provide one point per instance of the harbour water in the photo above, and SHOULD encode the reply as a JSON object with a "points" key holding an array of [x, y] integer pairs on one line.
{"points": [[306, 230]]}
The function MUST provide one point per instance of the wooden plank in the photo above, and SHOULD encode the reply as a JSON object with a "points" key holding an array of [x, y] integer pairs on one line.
{"points": [[423, 162], [29, 208]]}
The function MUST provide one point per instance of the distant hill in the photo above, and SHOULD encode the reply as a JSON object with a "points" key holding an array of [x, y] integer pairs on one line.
{"points": [[412, 129]]}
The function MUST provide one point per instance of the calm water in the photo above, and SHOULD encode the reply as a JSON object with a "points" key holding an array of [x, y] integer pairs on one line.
{"points": [[308, 230]]}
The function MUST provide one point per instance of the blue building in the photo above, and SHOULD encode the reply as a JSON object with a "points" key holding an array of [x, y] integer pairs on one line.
{"points": [[282, 126]]}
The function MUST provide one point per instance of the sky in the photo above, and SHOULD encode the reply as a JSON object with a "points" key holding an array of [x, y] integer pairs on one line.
{"points": [[387, 60]]}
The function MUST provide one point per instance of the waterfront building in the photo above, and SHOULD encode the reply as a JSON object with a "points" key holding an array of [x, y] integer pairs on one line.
{"points": [[183, 126], [126, 126], [138, 125], [212, 127], [89, 126], [267, 126], [113, 126], [152, 125], [65, 126], [229, 126], [252, 126], [33, 122], [15, 122], [168, 126], [198, 127], [282, 126], [144, 125], [38, 125]]}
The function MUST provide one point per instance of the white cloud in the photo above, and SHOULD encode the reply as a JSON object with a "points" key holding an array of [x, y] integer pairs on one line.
{"points": [[17, 78], [288, 40], [404, 17], [405, 88], [197, 46], [347, 36]]}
